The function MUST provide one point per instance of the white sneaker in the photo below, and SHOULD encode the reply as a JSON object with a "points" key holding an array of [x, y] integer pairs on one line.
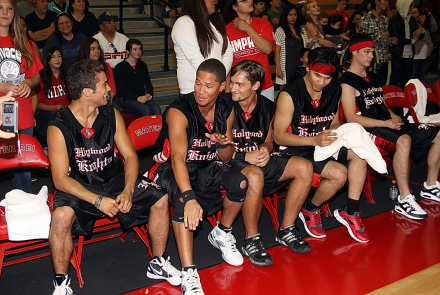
{"points": [[191, 282], [64, 287], [161, 268], [410, 208], [225, 241], [432, 193]]}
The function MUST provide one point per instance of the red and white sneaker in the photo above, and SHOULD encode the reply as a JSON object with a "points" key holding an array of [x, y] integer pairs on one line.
{"points": [[312, 222], [354, 224]]}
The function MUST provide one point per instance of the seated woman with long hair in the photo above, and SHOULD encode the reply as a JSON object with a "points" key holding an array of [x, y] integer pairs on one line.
{"points": [[90, 49], [52, 94], [134, 84]]}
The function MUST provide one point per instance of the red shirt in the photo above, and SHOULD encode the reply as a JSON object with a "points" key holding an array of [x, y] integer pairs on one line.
{"points": [[345, 17], [13, 71], [245, 49], [110, 79], [57, 94]]}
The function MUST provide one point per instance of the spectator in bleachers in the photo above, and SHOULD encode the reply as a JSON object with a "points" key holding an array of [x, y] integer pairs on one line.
{"points": [[275, 12], [301, 70], [52, 94], [333, 32], [84, 20], [406, 31], [354, 23], [19, 75], [66, 38], [26, 7], [90, 49], [342, 5], [259, 7], [58, 6], [323, 18], [290, 38], [134, 84], [313, 27], [375, 24], [365, 6], [424, 46], [112, 43], [34, 45], [251, 38], [40, 23], [198, 35]]}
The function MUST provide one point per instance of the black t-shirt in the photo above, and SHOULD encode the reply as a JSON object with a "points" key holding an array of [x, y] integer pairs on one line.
{"points": [[370, 101], [250, 129], [201, 150], [88, 25], [328, 30], [34, 23], [311, 117], [91, 153]]}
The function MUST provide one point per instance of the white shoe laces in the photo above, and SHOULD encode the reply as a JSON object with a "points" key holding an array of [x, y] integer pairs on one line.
{"points": [[63, 289], [169, 268], [230, 242], [193, 282], [412, 202]]}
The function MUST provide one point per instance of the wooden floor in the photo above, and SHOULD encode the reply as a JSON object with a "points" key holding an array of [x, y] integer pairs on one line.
{"points": [[424, 282], [402, 257]]}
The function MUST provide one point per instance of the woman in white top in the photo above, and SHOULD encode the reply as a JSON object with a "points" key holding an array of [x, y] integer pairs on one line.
{"points": [[198, 35], [313, 28], [290, 37]]}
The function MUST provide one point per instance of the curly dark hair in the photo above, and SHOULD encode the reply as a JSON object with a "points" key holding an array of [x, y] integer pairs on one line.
{"points": [[83, 74], [46, 72]]}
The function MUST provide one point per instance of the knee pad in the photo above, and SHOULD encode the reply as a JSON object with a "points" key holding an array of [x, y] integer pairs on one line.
{"points": [[232, 182], [178, 211]]}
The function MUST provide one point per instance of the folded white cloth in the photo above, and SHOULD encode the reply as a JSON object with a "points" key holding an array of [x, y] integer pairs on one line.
{"points": [[420, 106], [353, 136], [27, 215]]}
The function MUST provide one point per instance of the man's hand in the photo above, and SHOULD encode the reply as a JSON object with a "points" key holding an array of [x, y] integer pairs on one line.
{"points": [[417, 33], [125, 200], [240, 24], [7, 97], [218, 138], [192, 214], [394, 40], [148, 96], [385, 35], [24, 89], [394, 123], [109, 206], [263, 157], [142, 99], [325, 138]]}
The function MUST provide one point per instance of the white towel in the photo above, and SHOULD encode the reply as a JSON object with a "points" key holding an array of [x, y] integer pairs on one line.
{"points": [[27, 215], [420, 106], [353, 136]]}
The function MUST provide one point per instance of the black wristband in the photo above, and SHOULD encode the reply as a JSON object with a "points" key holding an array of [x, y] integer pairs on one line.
{"points": [[222, 146], [240, 156], [188, 196]]}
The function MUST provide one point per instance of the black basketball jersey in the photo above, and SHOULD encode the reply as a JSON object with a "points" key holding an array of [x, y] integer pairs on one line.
{"points": [[311, 117], [201, 150], [91, 151], [250, 129], [370, 101]]}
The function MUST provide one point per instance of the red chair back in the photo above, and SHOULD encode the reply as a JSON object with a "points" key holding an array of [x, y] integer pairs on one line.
{"points": [[437, 89], [144, 131], [431, 95], [395, 97], [32, 154]]}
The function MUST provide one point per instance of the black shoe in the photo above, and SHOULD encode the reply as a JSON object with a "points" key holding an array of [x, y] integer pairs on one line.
{"points": [[291, 238], [254, 249]]}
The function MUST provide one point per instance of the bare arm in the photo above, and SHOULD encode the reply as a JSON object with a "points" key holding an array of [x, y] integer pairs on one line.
{"points": [[262, 43], [42, 34], [348, 100], [312, 33], [225, 154], [178, 138], [278, 62]]}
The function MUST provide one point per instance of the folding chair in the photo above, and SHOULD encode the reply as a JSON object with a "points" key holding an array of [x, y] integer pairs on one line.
{"points": [[31, 155]]}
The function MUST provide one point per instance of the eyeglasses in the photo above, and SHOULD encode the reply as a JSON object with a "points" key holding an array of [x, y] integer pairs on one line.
{"points": [[112, 46], [64, 23], [244, 1], [415, 12]]}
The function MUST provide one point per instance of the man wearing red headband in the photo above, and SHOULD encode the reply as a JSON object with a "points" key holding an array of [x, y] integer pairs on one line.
{"points": [[363, 102], [306, 115]]}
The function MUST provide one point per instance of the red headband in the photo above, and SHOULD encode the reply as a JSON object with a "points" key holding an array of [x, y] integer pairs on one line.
{"points": [[361, 45], [321, 68]]}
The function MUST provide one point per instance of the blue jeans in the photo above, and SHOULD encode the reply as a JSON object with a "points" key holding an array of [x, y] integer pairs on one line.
{"points": [[43, 118], [141, 109], [419, 69], [22, 176]]}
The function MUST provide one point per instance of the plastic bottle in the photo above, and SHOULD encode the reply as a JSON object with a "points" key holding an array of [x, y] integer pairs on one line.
{"points": [[394, 191]]}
